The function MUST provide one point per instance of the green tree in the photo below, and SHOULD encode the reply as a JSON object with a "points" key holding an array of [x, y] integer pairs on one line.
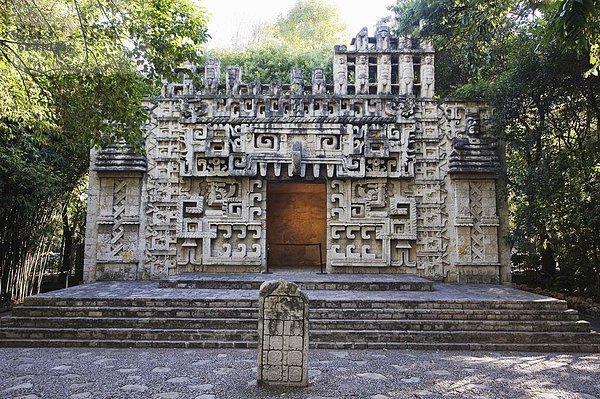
{"points": [[530, 60], [576, 25], [303, 38], [309, 25], [73, 75]]}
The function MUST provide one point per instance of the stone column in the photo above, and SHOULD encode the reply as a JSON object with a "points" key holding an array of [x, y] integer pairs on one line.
{"points": [[473, 169], [112, 242], [282, 334]]}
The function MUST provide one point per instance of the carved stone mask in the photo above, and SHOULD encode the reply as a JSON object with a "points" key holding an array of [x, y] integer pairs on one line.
{"points": [[473, 127]]}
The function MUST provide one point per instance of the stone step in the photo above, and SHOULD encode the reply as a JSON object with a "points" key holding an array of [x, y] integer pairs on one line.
{"points": [[121, 343], [318, 338], [452, 325], [495, 337], [134, 334], [566, 345], [316, 324], [555, 305], [318, 302], [305, 281], [446, 314], [134, 312], [132, 322], [516, 347], [140, 314], [229, 302], [543, 347], [319, 313]]}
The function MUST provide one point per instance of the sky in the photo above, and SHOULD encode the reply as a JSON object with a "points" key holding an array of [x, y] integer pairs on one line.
{"points": [[232, 21]]}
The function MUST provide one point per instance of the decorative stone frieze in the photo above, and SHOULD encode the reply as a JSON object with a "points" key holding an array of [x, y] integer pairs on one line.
{"points": [[472, 153], [410, 180]]}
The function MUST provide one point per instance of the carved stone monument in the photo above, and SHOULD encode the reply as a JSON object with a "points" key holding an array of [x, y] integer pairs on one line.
{"points": [[282, 334], [406, 183]]}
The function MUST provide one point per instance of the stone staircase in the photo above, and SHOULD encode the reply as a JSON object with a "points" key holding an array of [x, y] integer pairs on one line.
{"points": [[140, 314], [305, 281]]}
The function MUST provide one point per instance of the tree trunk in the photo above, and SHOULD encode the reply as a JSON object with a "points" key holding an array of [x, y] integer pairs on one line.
{"points": [[67, 247]]}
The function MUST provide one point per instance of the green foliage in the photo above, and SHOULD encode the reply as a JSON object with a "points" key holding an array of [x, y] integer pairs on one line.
{"points": [[73, 74], [576, 25], [265, 64], [165, 34], [529, 60], [310, 25], [303, 38]]}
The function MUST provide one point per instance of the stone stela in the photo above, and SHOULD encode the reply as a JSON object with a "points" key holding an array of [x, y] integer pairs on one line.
{"points": [[368, 163], [282, 334]]}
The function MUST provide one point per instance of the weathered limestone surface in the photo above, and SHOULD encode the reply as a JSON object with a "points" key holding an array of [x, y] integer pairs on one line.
{"points": [[282, 334], [113, 247], [411, 181]]}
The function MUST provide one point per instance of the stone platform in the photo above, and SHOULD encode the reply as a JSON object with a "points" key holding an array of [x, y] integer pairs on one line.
{"points": [[305, 280], [142, 314]]}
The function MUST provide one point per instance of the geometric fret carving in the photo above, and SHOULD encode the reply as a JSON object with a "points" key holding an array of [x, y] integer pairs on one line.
{"points": [[119, 202], [475, 197]]}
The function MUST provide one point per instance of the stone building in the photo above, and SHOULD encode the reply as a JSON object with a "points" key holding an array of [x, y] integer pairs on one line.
{"points": [[241, 177]]}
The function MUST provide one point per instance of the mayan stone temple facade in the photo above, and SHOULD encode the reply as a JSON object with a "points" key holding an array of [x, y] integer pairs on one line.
{"points": [[241, 177]]}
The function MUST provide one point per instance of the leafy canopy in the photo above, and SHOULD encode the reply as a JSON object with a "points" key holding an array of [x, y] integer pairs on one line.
{"points": [[73, 74], [536, 62], [309, 25], [303, 38]]}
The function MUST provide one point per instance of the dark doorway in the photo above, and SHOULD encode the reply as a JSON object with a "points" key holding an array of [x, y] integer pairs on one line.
{"points": [[296, 224]]}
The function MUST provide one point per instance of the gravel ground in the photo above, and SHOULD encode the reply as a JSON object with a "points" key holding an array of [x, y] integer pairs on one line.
{"points": [[231, 374]]}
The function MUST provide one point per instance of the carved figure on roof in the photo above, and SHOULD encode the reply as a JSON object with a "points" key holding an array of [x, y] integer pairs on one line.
{"points": [[188, 85], [318, 81], [362, 75], [362, 40], [383, 38], [296, 81], [384, 75], [212, 74], [340, 75], [254, 88], [166, 89], [427, 77], [275, 88], [234, 79], [407, 74]]}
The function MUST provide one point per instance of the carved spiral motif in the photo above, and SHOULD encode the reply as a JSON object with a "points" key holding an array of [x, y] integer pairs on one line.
{"points": [[265, 141]]}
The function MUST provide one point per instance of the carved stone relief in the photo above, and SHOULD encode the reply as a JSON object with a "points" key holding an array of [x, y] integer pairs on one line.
{"points": [[411, 181], [407, 75], [365, 219], [282, 335], [427, 77]]}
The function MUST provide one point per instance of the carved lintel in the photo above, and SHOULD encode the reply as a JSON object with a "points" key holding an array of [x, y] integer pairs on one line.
{"points": [[296, 158]]}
